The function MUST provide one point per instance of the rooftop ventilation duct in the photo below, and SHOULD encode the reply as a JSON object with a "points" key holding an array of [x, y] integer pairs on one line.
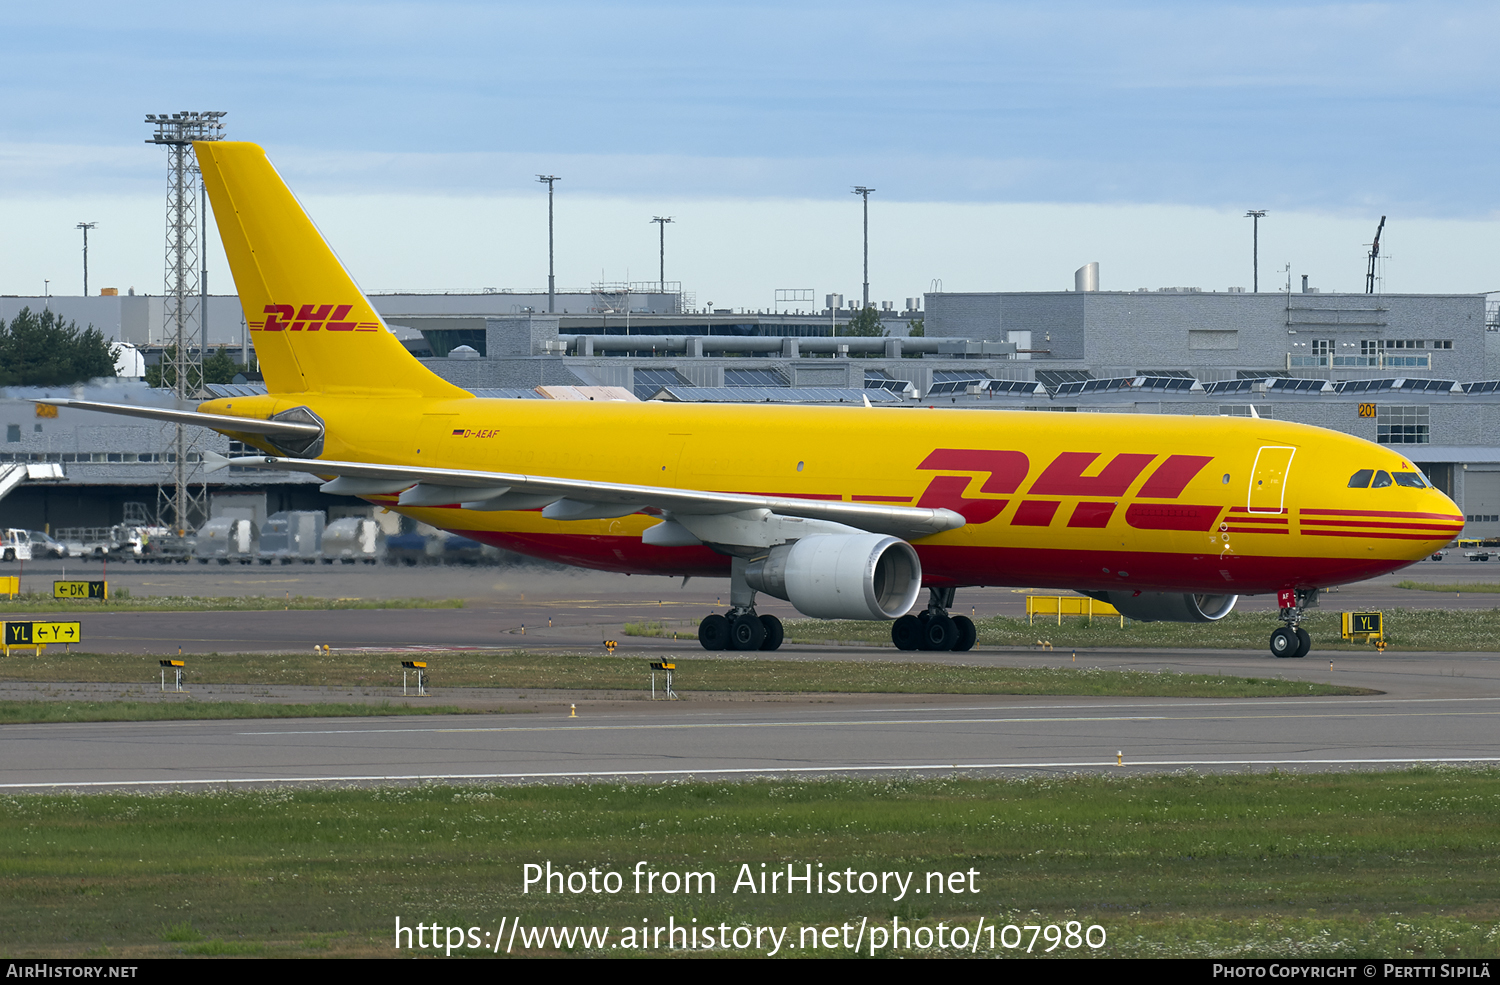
{"points": [[1086, 277]]}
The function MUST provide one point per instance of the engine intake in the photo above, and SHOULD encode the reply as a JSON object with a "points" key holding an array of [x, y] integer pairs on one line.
{"points": [[838, 576], [1168, 607]]}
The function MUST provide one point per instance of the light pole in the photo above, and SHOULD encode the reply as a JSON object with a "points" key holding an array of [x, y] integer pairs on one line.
{"points": [[864, 193], [551, 280], [86, 226], [661, 222], [1255, 215]]}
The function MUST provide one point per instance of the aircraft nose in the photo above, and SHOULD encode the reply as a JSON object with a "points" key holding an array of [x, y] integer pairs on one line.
{"points": [[1448, 518]]}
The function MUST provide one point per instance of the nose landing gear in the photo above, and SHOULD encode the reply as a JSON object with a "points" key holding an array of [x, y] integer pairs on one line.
{"points": [[933, 628], [1291, 640]]}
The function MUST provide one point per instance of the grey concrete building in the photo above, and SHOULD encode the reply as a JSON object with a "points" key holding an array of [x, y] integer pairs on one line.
{"points": [[1420, 371]]}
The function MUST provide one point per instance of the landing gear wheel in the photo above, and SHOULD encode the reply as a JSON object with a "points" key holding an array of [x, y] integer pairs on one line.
{"points": [[1304, 644], [746, 632], [713, 633], [1284, 642], [774, 634], [967, 634], [906, 633], [938, 632]]}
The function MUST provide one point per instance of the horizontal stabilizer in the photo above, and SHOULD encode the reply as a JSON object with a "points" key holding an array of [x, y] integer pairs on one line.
{"points": [[219, 422]]}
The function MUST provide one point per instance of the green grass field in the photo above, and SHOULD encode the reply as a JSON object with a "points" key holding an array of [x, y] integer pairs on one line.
{"points": [[522, 670], [1458, 588], [1279, 865]]}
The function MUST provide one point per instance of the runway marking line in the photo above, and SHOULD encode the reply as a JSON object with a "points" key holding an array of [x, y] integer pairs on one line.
{"points": [[753, 770], [894, 721]]}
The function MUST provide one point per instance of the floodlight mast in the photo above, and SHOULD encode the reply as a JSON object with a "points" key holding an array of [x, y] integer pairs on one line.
{"points": [[864, 193], [86, 226], [185, 207], [661, 222], [549, 179], [1255, 215]]}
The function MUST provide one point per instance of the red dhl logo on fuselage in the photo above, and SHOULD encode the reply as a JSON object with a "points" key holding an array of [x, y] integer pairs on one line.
{"points": [[1064, 476], [310, 318]]}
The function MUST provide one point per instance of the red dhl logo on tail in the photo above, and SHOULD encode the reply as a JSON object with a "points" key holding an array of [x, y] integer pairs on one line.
{"points": [[311, 318]]}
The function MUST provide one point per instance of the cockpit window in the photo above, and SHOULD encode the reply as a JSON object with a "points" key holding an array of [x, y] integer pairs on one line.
{"points": [[1412, 479], [1361, 479], [1382, 479]]}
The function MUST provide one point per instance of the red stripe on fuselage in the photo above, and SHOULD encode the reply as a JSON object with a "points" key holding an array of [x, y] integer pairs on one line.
{"points": [[1408, 516], [953, 565], [1385, 525], [1362, 534]]}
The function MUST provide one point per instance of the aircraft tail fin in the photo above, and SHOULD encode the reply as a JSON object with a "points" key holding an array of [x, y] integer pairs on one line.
{"points": [[313, 329]]}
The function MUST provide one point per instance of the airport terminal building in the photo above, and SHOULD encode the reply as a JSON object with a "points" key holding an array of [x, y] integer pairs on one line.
{"points": [[1416, 370]]}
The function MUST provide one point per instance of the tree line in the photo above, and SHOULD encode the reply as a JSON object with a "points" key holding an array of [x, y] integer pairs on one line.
{"points": [[41, 349]]}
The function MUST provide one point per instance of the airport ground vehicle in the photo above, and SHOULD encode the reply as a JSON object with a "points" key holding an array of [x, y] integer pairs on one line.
{"points": [[15, 544], [1474, 549], [293, 535], [846, 512], [43, 545], [353, 539], [227, 539]]}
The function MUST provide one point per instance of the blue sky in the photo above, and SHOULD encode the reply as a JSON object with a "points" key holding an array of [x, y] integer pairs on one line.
{"points": [[986, 128]]}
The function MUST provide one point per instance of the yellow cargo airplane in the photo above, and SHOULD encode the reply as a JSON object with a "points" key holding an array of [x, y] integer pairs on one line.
{"points": [[845, 512]]}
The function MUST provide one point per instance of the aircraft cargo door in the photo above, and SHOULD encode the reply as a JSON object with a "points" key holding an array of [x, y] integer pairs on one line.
{"points": [[1268, 480]]}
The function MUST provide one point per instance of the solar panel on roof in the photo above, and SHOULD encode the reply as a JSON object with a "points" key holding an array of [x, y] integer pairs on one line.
{"points": [[1295, 384], [235, 389], [1094, 386], [1230, 386], [954, 386], [773, 394], [753, 377], [1363, 386], [1166, 382], [1023, 388], [506, 393]]}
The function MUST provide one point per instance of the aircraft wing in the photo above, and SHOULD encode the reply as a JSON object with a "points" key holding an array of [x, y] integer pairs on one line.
{"points": [[583, 499]]}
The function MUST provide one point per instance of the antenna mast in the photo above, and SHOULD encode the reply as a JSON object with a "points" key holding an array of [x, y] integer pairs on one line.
{"points": [[1374, 255]]}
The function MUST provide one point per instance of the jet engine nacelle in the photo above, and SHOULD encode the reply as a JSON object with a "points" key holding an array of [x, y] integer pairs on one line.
{"points": [[841, 576], [1168, 606]]}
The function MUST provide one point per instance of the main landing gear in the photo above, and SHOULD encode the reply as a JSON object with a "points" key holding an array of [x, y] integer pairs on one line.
{"points": [[740, 628], [1291, 640], [933, 628]]}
